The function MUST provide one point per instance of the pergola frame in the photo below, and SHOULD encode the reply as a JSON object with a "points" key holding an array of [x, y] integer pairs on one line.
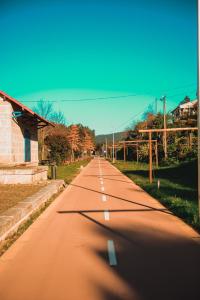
{"points": [[150, 131]]}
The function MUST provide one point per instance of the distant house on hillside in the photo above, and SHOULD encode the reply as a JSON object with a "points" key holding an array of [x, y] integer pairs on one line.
{"points": [[186, 112], [19, 127]]}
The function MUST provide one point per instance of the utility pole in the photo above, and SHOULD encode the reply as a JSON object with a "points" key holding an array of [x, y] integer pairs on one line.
{"points": [[198, 82], [163, 99], [150, 158], [113, 152], [106, 148]]}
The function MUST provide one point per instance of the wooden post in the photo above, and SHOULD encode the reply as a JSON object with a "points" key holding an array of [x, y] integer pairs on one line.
{"points": [[156, 153], [190, 140], [150, 157], [137, 153], [115, 153], [124, 152]]}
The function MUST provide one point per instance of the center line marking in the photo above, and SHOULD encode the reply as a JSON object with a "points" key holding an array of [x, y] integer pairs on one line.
{"points": [[104, 198], [106, 215], [111, 253], [102, 189]]}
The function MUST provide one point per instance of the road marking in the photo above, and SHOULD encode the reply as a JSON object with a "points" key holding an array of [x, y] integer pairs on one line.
{"points": [[104, 198], [111, 253], [102, 189], [106, 215], [101, 182]]}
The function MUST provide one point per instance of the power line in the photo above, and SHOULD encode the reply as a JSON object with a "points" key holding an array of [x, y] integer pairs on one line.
{"points": [[133, 117], [85, 99]]}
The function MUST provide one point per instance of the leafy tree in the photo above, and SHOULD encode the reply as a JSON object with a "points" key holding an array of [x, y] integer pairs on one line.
{"points": [[58, 146]]}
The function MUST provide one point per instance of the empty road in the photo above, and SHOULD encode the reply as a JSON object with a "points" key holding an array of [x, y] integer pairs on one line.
{"points": [[103, 238]]}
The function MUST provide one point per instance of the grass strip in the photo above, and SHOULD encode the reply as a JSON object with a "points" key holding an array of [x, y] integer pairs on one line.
{"points": [[178, 187]]}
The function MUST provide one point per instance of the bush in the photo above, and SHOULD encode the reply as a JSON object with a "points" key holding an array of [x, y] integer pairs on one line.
{"points": [[58, 147]]}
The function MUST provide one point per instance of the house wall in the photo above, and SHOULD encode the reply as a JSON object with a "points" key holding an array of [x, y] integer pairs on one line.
{"points": [[5, 131], [12, 136]]}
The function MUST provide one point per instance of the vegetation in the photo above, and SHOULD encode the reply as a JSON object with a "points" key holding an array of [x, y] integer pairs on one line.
{"points": [[68, 172], [62, 143], [178, 187]]}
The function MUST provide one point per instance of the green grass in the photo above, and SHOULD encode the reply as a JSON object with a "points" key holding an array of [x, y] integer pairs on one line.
{"points": [[178, 187], [69, 172]]}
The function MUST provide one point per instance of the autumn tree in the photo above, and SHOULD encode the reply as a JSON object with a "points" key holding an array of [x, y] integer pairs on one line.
{"points": [[73, 139]]}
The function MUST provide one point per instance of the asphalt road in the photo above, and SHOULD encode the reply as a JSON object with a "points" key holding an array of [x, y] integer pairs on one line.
{"points": [[103, 238]]}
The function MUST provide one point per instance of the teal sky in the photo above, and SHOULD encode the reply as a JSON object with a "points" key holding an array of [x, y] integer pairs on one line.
{"points": [[70, 50]]}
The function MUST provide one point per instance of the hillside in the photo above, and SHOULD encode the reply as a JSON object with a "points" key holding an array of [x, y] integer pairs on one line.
{"points": [[100, 139]]}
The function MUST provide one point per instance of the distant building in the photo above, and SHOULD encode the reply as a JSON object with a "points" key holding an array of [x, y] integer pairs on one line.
{"points": [[19, 127], [186, 112]]}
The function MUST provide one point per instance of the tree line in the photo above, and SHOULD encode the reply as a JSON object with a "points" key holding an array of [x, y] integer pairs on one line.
{"points": [[61, 143]]}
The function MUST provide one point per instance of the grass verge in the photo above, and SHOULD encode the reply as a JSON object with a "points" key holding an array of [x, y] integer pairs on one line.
{"points": [[178, 187], [69, 172]]}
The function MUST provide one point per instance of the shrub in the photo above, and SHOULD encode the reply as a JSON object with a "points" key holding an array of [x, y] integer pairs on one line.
{"points": [[58, 147]]}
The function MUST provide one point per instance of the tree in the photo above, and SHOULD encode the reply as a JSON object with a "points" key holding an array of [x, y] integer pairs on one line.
{"points": [[58, 146], [74, 139], [47, 111]]}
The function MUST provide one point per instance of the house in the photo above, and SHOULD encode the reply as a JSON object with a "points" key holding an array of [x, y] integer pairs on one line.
{"points": [[186, 112], [19, 127]]}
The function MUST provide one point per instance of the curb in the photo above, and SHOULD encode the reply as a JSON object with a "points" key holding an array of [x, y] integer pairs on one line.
{"points": [[12, 218]]}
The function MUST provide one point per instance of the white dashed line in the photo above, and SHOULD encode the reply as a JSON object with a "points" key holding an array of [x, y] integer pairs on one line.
{"points": [[111, 253], [102, 189], [104, 198], [106, 215]]}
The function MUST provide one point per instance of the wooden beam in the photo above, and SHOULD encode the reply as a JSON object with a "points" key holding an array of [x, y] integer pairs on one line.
{"points": [[135, 141], [150, 158], [156, 153], [168, 129]]}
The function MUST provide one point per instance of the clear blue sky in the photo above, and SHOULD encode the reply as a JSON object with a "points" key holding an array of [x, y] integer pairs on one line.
{"points": [[60, 50]]}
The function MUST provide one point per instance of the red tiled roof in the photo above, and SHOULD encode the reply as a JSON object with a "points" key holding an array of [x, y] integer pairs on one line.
{"points": [[23, 107]]}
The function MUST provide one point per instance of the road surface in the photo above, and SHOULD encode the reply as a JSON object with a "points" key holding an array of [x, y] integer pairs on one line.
{"points": [[103, 238]]}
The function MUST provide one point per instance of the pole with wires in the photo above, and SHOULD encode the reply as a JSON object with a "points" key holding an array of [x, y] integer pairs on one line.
{"points": [[113, 152], [106, 148], [163, 99]]}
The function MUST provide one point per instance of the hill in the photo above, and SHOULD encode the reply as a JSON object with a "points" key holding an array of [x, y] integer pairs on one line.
{"points": [[100, 139]]}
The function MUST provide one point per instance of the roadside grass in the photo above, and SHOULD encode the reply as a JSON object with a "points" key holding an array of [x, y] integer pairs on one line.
{"points": [[67, 173], [11, 194], [178, 187]]}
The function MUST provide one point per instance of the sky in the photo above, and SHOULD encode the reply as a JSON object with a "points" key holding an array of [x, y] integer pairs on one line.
{"points": [[127, 51]]}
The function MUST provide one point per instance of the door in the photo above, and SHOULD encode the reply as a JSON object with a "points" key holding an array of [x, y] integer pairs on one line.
{"points": [[27, 146]]}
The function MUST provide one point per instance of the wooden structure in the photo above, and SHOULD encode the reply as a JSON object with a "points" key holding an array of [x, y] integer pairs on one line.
{"points": [[150, 131], [136, 143]]}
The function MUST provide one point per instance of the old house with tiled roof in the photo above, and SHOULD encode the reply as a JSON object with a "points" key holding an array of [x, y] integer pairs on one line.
{"points": [[19, 127]]}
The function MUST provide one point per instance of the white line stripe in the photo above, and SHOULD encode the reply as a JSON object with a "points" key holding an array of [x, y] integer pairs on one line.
{"points": [[101, 182], [111, 253], [102, 189], [104, 198], [106, 215]]}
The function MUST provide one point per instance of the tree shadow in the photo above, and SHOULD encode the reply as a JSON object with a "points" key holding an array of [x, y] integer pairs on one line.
{"points": [[151, 264], [164, 210], [184, 174]]}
